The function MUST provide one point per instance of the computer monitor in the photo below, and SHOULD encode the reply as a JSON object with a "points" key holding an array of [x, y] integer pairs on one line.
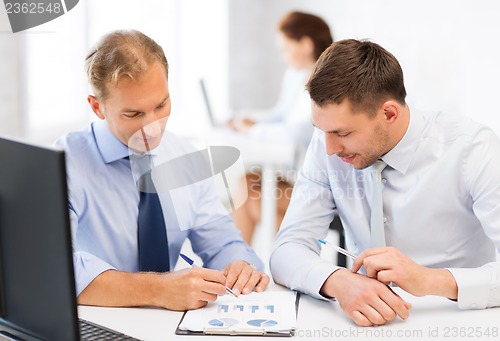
{"points": [[37, 284]]}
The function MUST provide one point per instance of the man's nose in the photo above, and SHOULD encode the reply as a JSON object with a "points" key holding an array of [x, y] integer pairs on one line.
{"points": [[333, 144], [152, 127]]}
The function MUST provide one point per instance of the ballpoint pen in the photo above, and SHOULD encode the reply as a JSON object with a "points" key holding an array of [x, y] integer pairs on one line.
{"points": [[191, 262], [337, 248]]}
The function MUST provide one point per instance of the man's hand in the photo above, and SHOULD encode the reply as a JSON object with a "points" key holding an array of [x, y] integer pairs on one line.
{"points": [[241, 125], [244, 278], [189, 288], [366, 301], [388, 264]]}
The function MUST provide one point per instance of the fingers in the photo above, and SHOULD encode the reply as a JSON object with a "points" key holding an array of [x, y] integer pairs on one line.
{"points": [[251, 282], [367, 301], [232, 273], [360, 260], [213, 289], [244, 278], [380, 313], [190, 288], [211, 275], [263, 283], [380, 310], [368, 316], [212, 283], [360, 319], [397, 304], [384, 277], [258, 281], [207, 297]]}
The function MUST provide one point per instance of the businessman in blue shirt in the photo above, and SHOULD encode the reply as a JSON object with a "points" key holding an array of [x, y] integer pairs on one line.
{"points": [[128, 73]]}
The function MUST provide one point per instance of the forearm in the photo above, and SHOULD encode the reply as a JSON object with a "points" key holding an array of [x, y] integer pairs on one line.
{"points": [[300, 268], [122, 289]]}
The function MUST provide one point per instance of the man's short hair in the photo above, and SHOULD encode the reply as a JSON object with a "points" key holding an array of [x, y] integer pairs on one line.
{"points": [[361, 71], [121, 54]]}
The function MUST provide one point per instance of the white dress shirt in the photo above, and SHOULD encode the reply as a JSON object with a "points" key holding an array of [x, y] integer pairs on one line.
{"points": [[441, 199]]}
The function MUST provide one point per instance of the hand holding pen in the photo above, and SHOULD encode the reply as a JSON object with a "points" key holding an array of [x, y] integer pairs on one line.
{"points": [[349, 288], [357, 265], [191, 263]]}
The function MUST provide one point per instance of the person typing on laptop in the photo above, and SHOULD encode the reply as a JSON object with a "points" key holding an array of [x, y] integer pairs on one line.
{"points": [[127, 230]]}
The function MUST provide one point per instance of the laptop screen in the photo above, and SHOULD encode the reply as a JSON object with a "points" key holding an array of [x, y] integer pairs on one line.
{"points": [[208, 105], [37, 285]]}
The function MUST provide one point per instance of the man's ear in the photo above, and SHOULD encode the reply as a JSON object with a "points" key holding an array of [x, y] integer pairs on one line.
{"points": [[391, 110], [95, 106]]}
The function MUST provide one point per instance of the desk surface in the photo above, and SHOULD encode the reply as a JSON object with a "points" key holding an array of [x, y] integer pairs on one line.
{"points": [[431, 318]]}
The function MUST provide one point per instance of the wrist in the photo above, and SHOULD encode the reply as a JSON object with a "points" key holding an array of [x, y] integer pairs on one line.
{"points": [[329, 287], [440, 282], [151, 287]]}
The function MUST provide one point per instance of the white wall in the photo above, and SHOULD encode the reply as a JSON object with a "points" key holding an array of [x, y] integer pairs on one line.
{"points": [[9, 85], [42, 82], [448, 48], [43, 88]]}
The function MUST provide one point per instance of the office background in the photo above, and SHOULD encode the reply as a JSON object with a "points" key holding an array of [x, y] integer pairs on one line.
{"points": [[448, 50]]}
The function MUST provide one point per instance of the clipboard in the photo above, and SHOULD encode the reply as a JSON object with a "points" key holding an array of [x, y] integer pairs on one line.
{"points": [[271, 313]]}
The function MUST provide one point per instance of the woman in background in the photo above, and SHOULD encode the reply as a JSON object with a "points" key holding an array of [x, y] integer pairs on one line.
{"points": [[303, 37]]}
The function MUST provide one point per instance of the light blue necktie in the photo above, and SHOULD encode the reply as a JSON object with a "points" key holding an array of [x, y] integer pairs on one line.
{"points": [[377, 214]]}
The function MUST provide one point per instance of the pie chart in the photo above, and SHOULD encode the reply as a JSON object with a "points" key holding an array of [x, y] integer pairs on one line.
{"points": [[223, 322], [262, 323]]}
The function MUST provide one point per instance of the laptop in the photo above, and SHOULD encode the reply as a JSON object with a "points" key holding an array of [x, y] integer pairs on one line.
{"points": [[37, 283], [213, 121]]}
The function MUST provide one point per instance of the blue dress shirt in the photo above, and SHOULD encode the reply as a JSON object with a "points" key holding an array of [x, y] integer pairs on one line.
{"points": [[104, 200], [441, 201]]}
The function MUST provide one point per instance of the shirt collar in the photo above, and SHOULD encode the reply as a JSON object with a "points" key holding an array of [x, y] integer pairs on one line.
{"points": [[402, 154], [109, 146]]}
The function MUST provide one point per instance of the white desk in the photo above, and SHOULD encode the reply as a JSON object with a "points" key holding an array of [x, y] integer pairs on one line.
{"points": [[431, 318]]}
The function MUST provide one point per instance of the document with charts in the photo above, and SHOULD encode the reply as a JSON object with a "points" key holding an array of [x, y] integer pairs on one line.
{"points": [[270, 313]]}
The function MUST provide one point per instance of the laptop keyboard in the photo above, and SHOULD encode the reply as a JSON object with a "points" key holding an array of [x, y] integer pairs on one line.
{"points": [[91, 331]]}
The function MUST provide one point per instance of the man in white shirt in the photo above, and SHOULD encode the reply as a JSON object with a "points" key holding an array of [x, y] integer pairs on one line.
{"points": [[440, 190]]}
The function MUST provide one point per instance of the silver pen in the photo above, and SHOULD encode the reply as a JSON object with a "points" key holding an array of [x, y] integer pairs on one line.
{"points": [[337, 248]]}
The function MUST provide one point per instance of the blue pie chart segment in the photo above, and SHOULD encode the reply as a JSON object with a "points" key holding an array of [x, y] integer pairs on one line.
{"points": [[223, 322], [262, 323]]}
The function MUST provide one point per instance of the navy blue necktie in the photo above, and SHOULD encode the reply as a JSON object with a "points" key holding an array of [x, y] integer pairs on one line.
{"points": [[151, 230]]}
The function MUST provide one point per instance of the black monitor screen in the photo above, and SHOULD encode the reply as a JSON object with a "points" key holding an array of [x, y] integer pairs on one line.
{"points": [[37, 287]]}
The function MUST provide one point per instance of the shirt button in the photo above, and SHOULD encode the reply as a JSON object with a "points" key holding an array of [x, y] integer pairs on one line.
{"points": [[384, 180], [385, 220]]}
